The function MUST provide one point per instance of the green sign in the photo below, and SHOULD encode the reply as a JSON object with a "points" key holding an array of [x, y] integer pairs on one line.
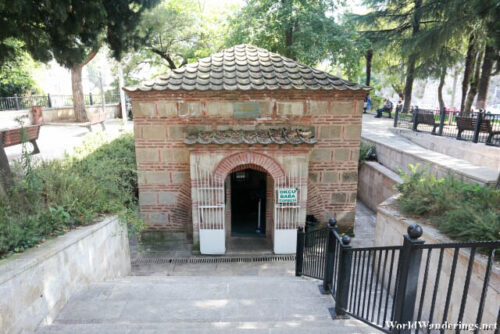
{"points": [[287, 195], [246, 109]]}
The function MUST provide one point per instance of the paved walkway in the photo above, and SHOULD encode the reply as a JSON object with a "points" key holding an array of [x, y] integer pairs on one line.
{"points": [[187, 304], [56, 140], [377, 130]]}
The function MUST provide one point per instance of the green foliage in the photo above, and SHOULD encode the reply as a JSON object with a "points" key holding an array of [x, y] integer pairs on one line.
{"points": [[70, 30], [366, 152], [301, 30], [462, 211], [15, 74], [54, 196]]}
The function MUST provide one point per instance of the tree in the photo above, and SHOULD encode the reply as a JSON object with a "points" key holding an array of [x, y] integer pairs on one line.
{"points": [[297, 29], [72, 31], [15, 74]]}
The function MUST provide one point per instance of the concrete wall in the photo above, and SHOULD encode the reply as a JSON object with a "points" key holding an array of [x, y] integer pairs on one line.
{"points": [[35, 285], [376, 184], [162, 120], [393, 157], [478, 154], [390, 228], [8, 118]]}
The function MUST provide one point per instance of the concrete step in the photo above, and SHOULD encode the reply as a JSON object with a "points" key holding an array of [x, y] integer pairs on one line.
{"points": [[194, 304], [304, 327]]}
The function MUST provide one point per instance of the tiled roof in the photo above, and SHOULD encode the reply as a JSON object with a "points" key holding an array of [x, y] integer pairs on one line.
{"points": [[250, 137], [246, 67]]}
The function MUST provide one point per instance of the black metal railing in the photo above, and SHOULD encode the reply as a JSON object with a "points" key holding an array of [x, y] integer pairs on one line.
{"points": [[477, 127], [416, 283], [53, 101]]}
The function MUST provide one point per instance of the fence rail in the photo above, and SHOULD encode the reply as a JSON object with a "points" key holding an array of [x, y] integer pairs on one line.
{"points": [[52, 101], [393, 286], [482, 127]]}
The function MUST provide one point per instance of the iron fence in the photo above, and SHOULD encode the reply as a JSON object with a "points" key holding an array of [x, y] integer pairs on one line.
{"points": [[477, 127], [413, 285], [53, 101]]}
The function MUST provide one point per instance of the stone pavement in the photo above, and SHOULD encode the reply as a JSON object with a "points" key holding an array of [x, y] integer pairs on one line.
{"points": [[188, 304], [56, 140], [403, 151]]}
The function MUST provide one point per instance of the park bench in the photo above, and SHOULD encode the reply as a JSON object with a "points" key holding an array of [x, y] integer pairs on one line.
{"points": [[11, 137], [95, 119], [469, 124], [427, 118]]}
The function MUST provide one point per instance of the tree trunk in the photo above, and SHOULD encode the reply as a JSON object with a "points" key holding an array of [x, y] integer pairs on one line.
{"points": [[78, 100], [484, 81], [77, 89], [368, 57], [440, 89], [469, 68], [5, 179], [410, 74], [454, 89], [474, 85]]}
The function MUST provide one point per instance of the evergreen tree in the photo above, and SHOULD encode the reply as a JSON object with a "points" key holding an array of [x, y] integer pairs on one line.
{"points": [[71, 32]]}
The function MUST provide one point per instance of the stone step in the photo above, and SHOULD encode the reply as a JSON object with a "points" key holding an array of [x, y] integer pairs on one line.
{"points": [[269, 327]]}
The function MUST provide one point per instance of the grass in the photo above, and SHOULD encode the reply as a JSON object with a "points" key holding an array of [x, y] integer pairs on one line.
{"points": [[464, 212], [49, 198]]}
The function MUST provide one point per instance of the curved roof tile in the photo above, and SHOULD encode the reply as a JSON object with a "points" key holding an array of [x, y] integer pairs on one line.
{"points": [[246, 67]]}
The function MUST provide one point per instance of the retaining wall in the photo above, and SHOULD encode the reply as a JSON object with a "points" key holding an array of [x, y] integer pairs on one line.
{"points": [[376, 184], [35, 285], [390, 228]]}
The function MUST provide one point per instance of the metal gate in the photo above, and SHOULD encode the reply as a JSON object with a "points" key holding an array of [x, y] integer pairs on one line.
{"points": [[210, 201]]}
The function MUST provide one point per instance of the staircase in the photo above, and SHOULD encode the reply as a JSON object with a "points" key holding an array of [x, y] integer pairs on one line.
{"points": [[194, 304]]}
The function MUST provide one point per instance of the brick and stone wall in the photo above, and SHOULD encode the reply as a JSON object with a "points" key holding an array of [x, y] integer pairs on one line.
{"points": [[163, 118]]}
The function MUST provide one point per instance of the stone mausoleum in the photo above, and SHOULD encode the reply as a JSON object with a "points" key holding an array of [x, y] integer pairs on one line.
{"points": [[244, 144]]}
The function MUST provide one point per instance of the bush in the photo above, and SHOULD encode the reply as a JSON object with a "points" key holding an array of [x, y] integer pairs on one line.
{"points": [[366, 152], [461, 211], [52, 197]]}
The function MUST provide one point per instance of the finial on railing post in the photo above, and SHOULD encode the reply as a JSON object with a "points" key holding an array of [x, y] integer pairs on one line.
{"points": [[332, 223], [346, 240], [331, 241], [415, 231]]}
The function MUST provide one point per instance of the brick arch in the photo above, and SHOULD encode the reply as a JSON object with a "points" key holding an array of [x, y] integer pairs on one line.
{"points": [[252, 160]]}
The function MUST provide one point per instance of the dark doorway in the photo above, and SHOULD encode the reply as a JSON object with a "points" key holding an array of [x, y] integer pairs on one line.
{"points": [[248, 189]]}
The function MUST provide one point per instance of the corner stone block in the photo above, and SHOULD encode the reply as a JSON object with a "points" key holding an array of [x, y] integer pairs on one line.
{"points": [[179, 177], [330, 131], [345, 218], [350, 177], [156, 177], [321, 155], [143, 109], [290, 108], [146, 155], [147, 198], [156, 132], [167, 197], [360, 105], [166, 109], [265, 108], [341, 154], [318, 107], [343, 108], [355, 154], [224, 109], [352, 131]]}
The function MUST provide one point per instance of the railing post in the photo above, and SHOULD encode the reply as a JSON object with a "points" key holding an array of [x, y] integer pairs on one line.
{"points": [[475, 138], [49, 101], [90, 98], [331, 243], [16, 100], [343, 278], [396, 117], [299, 257], [408, 270], [441, 121], [415, 119]]}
